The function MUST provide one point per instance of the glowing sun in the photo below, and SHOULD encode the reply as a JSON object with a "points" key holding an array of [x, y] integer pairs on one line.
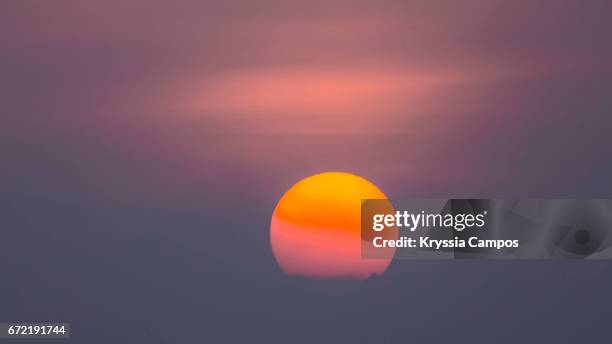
{"points": [[316, 228]]}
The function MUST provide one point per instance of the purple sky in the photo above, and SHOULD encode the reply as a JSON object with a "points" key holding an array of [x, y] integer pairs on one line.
{"points": [[156, 99], [140, 139]]}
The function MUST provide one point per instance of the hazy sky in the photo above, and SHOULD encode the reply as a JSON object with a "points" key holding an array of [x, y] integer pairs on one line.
{"points": [[160, 98], [139, 138]]}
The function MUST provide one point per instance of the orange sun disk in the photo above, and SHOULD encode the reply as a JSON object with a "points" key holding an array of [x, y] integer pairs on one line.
{"points": [[315, 229]]}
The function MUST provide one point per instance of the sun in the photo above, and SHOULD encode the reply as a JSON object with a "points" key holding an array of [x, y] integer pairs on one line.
{"points": [[315, 229]]}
